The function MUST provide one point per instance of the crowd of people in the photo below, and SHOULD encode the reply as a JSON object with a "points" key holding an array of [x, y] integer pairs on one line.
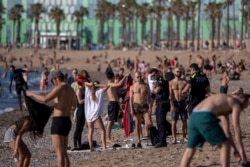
{"points": [[154, 90]]}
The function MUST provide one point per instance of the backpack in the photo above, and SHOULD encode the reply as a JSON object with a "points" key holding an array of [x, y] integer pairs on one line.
{"points": [[153, 135]]}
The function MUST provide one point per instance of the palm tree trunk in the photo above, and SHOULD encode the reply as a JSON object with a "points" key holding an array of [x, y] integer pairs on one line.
{"points": [[186, 34], [143, 31], [158, 28], [213, 32], [199, 24], [193, 33], [152, 30], [178, 29], [136, 31], [113, 33], [36, 32], [14, 30], [218, 35], [242, 25], [228, 26], [234, 24], [58, 35]]}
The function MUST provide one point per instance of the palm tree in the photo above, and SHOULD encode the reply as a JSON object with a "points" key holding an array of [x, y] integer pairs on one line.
{"points": [[2, 11], [227, 4], [36, 10], [178, 6], [219, 15], [158, 9], [243, 3], [211, 10], [186, 18], [199, 23], [57, 14], [78, 16], [143, 12], [16, 15], [102, 16], [170, 34], [122, 14], [84, 13], [192, 7]]}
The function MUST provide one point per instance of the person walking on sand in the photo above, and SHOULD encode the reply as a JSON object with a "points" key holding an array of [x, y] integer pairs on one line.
{"points": [[14, 135], [93, 110], [140, 100], [64, 102], [224, 80], [178, 104], [204, 125], [113, 104]]}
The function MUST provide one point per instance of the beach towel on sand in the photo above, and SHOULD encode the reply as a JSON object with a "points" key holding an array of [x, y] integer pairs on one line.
{"points": [[38, 112], [93, 109]]}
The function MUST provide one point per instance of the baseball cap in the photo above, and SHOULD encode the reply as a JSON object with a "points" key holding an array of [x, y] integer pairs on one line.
{"points": [[55, 73]]}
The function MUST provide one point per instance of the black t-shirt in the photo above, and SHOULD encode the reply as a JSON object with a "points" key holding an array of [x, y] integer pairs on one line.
{"points": [[163, 95], [199, 83], [18, 76]]}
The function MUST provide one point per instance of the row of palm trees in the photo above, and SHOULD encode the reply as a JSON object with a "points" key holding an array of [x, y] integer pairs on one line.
{"points": [[130, 13]]}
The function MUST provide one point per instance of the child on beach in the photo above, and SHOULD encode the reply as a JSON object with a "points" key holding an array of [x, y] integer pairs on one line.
{"points": [[13, 136], [93, 111]]}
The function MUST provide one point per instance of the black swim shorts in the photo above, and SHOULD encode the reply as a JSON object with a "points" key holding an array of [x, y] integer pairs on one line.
{"points": [[20, 88], [61, 126], [113, 110]]}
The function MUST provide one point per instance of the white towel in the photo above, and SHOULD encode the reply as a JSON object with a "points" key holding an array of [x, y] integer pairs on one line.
{"points": [[93, 109]]}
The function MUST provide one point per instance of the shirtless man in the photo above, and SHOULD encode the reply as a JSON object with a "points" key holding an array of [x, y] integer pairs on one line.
{"points": [[224, 80], [178, 104], [204, 126], [64, 102], [113, 105], [139, 104], [44, 80]]}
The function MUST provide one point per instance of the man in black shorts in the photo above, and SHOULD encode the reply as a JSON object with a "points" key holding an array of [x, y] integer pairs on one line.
{"points": [[113, 105], [64, 102], [21, 85], [178, 104]]}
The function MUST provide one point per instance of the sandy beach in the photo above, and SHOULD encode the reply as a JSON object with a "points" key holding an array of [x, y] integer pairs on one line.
{"points": [[170, 156]]}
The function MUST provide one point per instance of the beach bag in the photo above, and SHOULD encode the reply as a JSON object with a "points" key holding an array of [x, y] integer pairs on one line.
{"points": [[168, 128], [85, 145], [153, 135]]}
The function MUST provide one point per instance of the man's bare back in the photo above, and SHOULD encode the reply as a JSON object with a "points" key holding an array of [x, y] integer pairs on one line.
{"points": [[221, 104]]}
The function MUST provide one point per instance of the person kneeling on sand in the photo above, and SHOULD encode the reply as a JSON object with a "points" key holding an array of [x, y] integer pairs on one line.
{"points": [[204, 125], [14, 135], [93, 111]]}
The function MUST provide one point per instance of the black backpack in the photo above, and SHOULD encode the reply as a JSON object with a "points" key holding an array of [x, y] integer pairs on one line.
{"points": [[154, 135]]}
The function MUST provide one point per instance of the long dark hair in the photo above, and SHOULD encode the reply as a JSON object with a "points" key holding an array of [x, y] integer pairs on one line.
{"points": [[30, 127]]}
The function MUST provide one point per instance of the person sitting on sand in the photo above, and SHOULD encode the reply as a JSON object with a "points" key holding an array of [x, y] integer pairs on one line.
{"points": [[205, 126], [93, 111], [14, 135]]}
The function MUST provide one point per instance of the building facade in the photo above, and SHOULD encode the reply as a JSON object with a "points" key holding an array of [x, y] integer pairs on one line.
{"points": [[47, 27]]}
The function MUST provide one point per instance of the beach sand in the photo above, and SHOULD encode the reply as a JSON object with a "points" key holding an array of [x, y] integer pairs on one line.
{"points": [[170, 156]]}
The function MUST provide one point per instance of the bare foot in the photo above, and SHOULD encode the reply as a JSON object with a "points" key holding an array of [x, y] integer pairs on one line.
{"points": [[109, 141], [185, 140], [174, 142], [91, 150]]}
